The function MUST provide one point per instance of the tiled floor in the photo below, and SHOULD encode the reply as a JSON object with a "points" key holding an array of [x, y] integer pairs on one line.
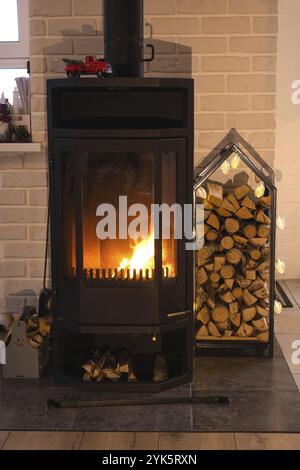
{"points": [[287, 328]]}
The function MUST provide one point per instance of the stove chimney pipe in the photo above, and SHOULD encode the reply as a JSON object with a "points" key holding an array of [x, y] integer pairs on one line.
{"points": [[124, 37]]}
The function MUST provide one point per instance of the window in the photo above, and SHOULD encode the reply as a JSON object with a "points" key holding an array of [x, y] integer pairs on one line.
{"points": [[14, 43], [14, 33]]}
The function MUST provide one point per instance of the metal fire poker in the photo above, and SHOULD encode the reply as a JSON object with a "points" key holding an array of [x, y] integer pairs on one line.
{"points": [[209, 400]]}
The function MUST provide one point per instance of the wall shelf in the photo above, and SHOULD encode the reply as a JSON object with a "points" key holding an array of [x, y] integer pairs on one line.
{"points": [[20, 148]]}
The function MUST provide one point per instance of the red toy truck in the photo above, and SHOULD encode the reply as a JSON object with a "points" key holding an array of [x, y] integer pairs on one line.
{"points": [[91, 66]]}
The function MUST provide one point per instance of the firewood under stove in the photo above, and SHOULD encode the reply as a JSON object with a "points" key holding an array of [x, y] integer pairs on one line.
{"points": [[233, 266]]}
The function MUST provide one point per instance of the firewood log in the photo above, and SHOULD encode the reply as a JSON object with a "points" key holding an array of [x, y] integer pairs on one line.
{"points": [[263, 231], [234, 307], [234, 256], [240, 240], [247, 202], [203, 315], [254, 253], [227, 271], [245, 330], [243, 282], [226, 204], [265, 275], [266, 201], [160, 369], [206, 214], [223, 212], [220, 313], [251, 274], [244, 213], [249, 298], [110, 369], [219, 262], [211, 302], [249, 330], [237, 293], [262, 293], [206, 251], [89, 367], [263, 312], [262, 217], [209, 267], [201, 295], [248, 314], [201, 261], [213, 330], [227, 297], [241, 191], [227, 333], [261, 325], [214, 277], [263, 337], [223, 325], [206, 229], [250, 231], [258, 241], [235, 319], [232, 225], [211, 235], [201, 276], [231, 198], [264, 266], [251, 264], [208, 205], [215, 194], [202, 332], [265, 251], [229, 283], [213, 221], [256, 285], [227, 243]]}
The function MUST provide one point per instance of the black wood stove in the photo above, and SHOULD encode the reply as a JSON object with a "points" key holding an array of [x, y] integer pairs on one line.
{"points": [[122, 136]]}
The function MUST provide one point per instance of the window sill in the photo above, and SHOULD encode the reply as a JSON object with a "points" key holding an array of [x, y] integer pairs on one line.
{"points": [[20, 148]]}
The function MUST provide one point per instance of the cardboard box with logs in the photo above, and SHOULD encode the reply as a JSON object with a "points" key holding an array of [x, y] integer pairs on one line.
{"points": [[233, 266], [26, 344]]}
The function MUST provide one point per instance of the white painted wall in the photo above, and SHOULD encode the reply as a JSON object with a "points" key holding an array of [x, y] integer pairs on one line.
{"points": [[287, 154]]}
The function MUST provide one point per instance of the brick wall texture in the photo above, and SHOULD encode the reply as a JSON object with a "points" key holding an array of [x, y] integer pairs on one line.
{"points": [[229, 47]]}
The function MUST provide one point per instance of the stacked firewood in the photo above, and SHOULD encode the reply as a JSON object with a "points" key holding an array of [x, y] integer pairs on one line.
{"points": [[37, 328], [106, 365], [233, 267]]}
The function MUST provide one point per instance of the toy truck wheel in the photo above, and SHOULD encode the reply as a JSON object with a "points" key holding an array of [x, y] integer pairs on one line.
{"points": [[73, 75], [100, 74]]}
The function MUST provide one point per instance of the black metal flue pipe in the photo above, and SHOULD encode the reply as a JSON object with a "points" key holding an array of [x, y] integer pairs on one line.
{"points": [[124, 36]]}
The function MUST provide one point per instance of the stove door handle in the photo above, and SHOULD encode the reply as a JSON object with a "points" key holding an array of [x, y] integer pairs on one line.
{"points": [[152, 57]]}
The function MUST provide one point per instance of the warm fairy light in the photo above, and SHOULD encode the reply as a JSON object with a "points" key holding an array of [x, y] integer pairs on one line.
{"points": [[280, 266], [280, 222], [154, 338], [278, 307], [260, 190], [225, 167], [142, 257], [235, 162], [200, 192]]}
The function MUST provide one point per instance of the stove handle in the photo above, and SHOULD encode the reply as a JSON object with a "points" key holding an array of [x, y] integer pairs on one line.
{"points": [[152, 57]]}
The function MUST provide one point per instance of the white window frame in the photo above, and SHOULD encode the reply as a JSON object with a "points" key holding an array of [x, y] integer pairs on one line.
{"points": [[15, 54]]}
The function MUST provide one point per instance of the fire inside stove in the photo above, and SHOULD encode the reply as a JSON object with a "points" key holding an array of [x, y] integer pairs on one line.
{"points": [[117, 256]]}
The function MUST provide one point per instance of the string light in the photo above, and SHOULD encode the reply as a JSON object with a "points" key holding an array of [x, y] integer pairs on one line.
{"points": [[154, 338], [280, 266], [201, 193], [225, 167], [260, 190], [278, 307], [235, 162], [280, 222]]}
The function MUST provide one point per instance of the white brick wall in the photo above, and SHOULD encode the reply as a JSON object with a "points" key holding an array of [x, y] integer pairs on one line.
{"points": [[287, 138], [228, 46]]}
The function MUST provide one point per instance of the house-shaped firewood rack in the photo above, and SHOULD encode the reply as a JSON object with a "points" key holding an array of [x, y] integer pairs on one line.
{"points": [[235, 257]]}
